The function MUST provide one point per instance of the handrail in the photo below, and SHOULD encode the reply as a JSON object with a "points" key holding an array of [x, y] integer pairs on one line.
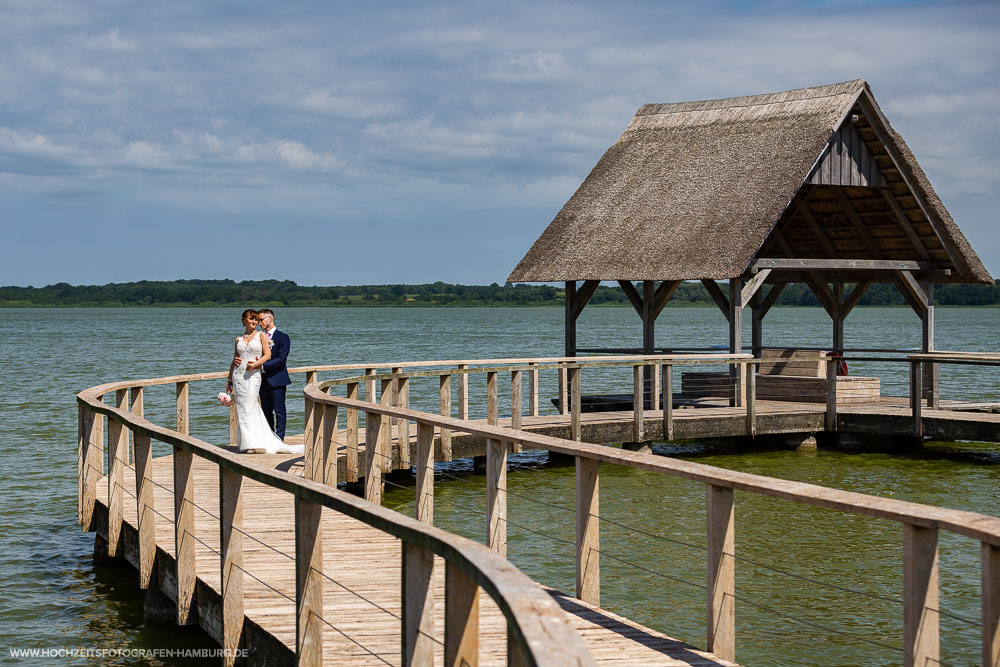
{"points": [[536, 625]]}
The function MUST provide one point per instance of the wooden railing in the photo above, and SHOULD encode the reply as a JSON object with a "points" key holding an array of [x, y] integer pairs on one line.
{"points": [[536, 630], [920, 523]]}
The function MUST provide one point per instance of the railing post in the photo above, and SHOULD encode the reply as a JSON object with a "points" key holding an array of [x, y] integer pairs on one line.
{"points": [[117, 451], [370, 385], [831, 394], [751, 376], [187, 609], [575, 424], [144, 508], [563, 390], [637, 403], [402, 425], [309, 438], [396, 402], [136, 408], [516, 408], [668, 402], [533, 388], [463, 392], [921, 640], [491, 398], [496, 496], [655, 380], [183, 408], [308, 582], [312, 377], [351, 453], [461, 618], [234, 424], [915, 399], [445, 395], [721, 572], [231, 559], [93, 464], [373, 467], [588, 540], [991, 604], [328, 448], [425, 473], [418, 604]]}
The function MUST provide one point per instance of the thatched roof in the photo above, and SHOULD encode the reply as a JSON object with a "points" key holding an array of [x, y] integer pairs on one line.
{"points": [[694, 190]]}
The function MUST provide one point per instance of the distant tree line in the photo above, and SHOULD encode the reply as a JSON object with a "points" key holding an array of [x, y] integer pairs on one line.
{"points": [[288, 293]]}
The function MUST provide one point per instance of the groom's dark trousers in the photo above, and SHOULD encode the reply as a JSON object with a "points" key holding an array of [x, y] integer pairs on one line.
{"points": [[275, 382]]}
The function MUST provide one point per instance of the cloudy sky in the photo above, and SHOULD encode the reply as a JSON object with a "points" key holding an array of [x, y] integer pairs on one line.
{"points": [[376, 142]]}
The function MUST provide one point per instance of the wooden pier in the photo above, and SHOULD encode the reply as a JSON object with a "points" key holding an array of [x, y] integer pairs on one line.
{"points": [[275, 560]]}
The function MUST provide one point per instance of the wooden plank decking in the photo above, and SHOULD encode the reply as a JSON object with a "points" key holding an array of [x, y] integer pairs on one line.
{"points": [[362, 597]]}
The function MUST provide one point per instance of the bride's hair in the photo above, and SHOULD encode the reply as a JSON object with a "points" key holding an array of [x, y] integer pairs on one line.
{"points": [[248, 311]]}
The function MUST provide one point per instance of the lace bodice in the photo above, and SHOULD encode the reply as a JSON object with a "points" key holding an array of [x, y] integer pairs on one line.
{"points": [[249, 351]]}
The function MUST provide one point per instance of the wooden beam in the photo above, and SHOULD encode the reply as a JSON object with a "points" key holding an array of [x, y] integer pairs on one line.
{"points": [[816, 229], [633, 295], [912, 291], [663, 294], [583, 294], [308, 582], [852, 215], [852, 299], [721, 572], [754, 284], [569, 322], [905, 223], [588, 540], [771, 298], [780, 263], [921, 634], [715, 292], [826, 297]]}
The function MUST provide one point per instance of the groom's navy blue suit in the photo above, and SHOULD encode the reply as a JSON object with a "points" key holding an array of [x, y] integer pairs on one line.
{"points": [[275, 380]]}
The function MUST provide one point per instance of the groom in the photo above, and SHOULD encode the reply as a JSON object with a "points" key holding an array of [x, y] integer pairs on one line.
{"points": [[275, 377]]}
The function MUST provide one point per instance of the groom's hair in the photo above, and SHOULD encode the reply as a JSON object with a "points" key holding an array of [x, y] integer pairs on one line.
{"points": [[265, 310]]}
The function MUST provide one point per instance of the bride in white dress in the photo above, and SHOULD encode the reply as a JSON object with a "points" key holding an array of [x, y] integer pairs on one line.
{"points": [[253, 434]]}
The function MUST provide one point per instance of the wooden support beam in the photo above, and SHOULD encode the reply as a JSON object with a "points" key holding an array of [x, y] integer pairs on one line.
{"points": [[183, 409], [663, 294], [754, 285], [351, 455], [461, 619], [496, 496], [308, 582], [418, 605], [588, 540], [830, 418], [533, 388], [573, 376], [921, 635], [904, 222], [736, 338], [463, 391], [402, 397], [825, 296], [569, 322], [668, 401], [784, 264], [328, 445], [721, 572], [853, 298], [912, 292], [771, 298], [231, 557], [817, 231], [184, 542], [637, 403], [632, 294], [718, 297], [425, 473], [852, 215], [583, 294]]}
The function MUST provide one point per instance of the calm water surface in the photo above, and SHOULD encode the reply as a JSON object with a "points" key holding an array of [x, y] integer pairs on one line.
{"points": [[796, 562]]}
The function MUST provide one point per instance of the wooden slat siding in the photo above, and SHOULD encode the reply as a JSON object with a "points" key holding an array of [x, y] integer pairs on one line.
{"points": [[463, 392], [835, 156], [576, 411], [231, 560], [351, 426], [990, 596], [563, 391], [184, 537], [588, 531], [117, 451], [308, 583], [668, 401], [402, 425], [751, 373], [183, 408], [915, 402], [516, 407], [721, 572], [144, 505], [831, 395], [445, 395], [461, 619], [418, 606], [425, 473], [328, 449], [637, 404], [921, 638], [496, 496], [533, 389]]}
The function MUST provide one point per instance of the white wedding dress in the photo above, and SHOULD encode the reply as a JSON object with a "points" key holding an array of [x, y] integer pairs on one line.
{"points": [[253, 433]]}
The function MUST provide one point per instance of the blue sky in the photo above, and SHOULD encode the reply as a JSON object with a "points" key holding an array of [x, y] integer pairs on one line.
{"points": [[379, 142]]}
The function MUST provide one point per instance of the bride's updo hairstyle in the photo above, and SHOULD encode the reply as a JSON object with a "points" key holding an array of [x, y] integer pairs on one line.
{"points": [[247, 313]]}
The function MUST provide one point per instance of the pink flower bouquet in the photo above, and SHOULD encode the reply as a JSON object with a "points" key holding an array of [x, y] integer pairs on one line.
{"points": [[225, 399]]}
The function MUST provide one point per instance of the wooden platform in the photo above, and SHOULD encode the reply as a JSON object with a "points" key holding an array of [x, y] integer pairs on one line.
{"points": [[362, 600]]}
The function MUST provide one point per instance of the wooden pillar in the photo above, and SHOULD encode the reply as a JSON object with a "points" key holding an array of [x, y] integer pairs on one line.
{"points": [[931, 379], [418, 604], [588, 540], [757, 323], [117, 451], [491, 398], [184, 542], [461, 619], [496, 496], [231, 557], [136, 407], [403, 425], [144, 507], [638, 416], [92, 464], [328, 447], [373, 467], [838, 321], [425, 473], [533, 389], [312, 469], [750, 372], [915, 402], [830, 422], [648, 334], [463, 392], [921, 639], [991, 605], [183, 408], [569, 319], [351, 453], [234, 425], [668, 401], [563, 390], [735, 337], [308, 582], [445, 395], [575, 429], [721, 573]]}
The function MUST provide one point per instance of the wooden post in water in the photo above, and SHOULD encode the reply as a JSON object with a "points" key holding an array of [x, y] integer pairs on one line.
{"points": [[351, 453], [144, 508], [418, 604], [921, 639], [991, 604], [461, 619], [445, 395], [183, 408], [575, 427], [231, 559], [425, 473], [117, 451], [588, 540], [308, 582], [184, 542], [721, 572], [668, 402]]}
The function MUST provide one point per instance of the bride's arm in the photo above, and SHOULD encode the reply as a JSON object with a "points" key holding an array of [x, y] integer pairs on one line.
{"points": [[266, 356], [232, 365]]}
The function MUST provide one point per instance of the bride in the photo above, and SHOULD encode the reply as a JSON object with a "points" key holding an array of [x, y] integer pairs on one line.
{"points": [[252, 350]]}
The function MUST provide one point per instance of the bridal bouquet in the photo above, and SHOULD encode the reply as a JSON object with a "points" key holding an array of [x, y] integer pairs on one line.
{"points": [[225, 399]]}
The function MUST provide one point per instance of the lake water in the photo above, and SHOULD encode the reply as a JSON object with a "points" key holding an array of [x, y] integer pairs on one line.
{"points": [[795, 560]]}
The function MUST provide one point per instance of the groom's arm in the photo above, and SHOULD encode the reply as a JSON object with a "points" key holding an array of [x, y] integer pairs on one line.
{"points": [[279, 355]]}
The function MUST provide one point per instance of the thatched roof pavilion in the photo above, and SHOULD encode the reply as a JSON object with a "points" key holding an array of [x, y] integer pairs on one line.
{"points": [[810, 185]]}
